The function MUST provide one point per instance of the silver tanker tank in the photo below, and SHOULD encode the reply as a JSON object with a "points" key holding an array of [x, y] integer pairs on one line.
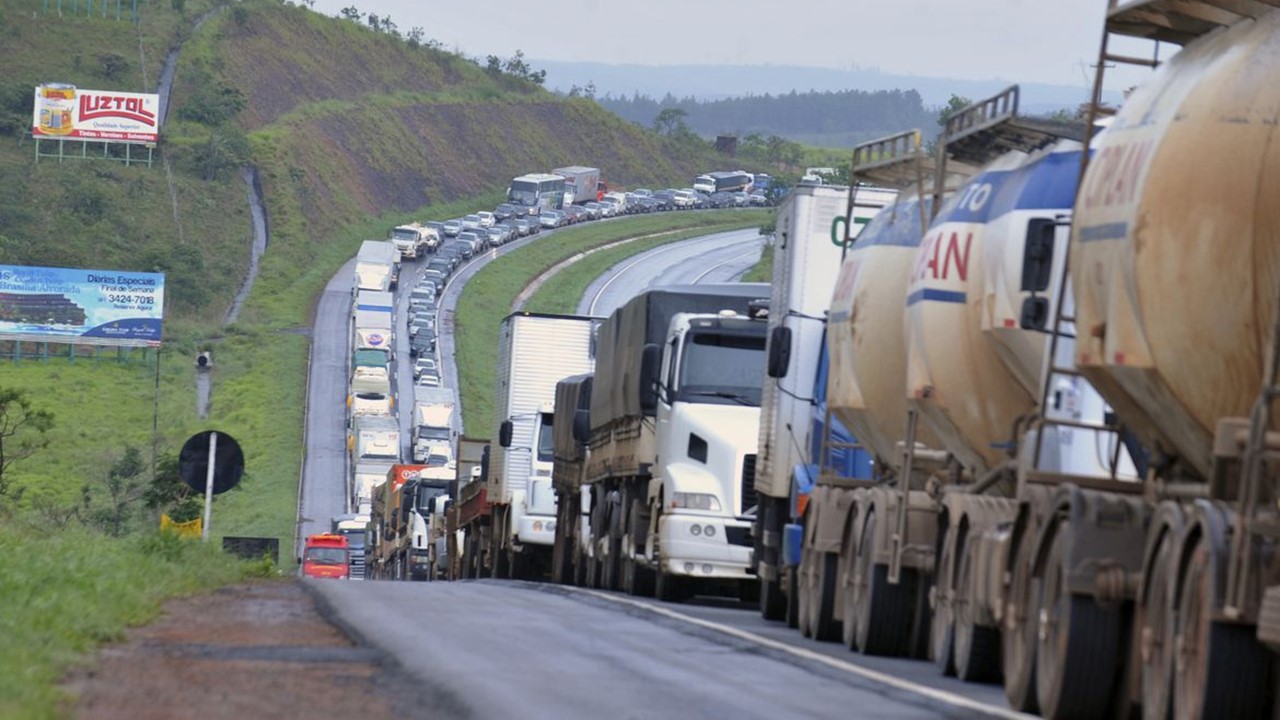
{"points": [[1176, 256]]}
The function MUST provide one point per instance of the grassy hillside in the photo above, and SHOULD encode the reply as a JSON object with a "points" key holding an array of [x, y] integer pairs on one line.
{"points": [[351, 131]]}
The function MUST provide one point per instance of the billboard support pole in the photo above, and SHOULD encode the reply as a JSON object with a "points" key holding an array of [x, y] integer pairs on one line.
{"points": [[208, 485]]}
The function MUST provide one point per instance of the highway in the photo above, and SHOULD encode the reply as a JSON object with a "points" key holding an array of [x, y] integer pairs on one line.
{"points": [[559, 652]]}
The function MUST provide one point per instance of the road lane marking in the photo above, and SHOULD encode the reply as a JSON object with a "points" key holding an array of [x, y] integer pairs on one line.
{"points": [[942, 696]]}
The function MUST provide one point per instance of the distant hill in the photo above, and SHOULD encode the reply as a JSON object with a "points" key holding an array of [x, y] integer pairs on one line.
{"points": [[343, 122], [722, 81]]}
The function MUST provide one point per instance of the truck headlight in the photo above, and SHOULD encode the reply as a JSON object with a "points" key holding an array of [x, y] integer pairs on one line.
{"points": [[695, 501]]}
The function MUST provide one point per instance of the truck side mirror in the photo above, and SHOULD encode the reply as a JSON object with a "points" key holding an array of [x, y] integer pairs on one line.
{"points": [[505, 431], [1035, 313], [1037, 258], [582, 426], [779, 352], [650, 362]]}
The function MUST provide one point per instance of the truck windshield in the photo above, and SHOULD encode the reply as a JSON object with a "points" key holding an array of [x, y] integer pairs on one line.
{"points": [[525, 193], [727, 366], [546, 445], [400, 234], [433, 433], [325, 556], [355, 537], [425, 493]]}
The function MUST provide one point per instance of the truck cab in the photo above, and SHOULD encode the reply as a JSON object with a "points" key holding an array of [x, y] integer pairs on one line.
{"points": [[534, 511], [705, 384], [326, 556], [429, 498]]}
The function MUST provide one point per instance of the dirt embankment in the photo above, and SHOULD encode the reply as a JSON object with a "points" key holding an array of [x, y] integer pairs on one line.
{"points": [[259, 650]]}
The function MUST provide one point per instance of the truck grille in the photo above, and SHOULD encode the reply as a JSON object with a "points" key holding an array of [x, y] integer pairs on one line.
{"points": [[748, 491], [357, 565]]}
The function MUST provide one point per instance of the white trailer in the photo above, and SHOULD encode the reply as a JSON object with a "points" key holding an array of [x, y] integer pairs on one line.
{"points": [[373, 320], [376, 267], [534, 353], [432, 428]]}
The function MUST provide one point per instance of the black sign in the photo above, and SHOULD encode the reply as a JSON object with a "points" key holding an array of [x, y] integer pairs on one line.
{"points": [[228, 467]]}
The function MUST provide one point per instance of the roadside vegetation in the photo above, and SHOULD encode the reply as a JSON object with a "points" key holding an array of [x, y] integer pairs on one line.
{"points": [[488, 295], [65, 593], [762, 271]]}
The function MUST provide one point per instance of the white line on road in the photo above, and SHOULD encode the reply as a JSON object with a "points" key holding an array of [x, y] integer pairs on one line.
{"points": [[942, 696], [721, 264]]}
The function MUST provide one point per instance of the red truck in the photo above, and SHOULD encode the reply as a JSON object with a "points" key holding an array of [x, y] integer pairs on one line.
{"points": [[326, 556]]}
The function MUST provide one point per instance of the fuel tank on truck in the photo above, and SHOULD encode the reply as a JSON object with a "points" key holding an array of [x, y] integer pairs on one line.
{"points": [[1024, 212], [865, 333], [956, 378], [1176, 242], [972, 370]]}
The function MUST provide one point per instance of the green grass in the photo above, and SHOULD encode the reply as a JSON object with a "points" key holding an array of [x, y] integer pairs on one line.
{"points": [[762, 271], [66, 592], [487, 297]]}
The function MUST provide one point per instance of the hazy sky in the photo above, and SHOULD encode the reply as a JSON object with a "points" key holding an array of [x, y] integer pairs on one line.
{"points": [[1019, 40]]}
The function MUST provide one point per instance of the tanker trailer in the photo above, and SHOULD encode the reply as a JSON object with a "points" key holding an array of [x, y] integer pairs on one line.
{"points": [[1175, 265], [868, 355]]}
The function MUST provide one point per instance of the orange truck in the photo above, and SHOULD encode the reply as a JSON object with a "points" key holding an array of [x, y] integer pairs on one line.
{"points": [[326, 556]]}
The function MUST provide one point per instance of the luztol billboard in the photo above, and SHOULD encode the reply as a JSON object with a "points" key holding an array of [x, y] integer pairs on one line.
{"points": [[104, 307], [67, 112]]}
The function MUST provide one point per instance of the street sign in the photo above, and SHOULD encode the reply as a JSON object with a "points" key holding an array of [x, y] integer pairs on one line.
{"points": [[228, 466]]}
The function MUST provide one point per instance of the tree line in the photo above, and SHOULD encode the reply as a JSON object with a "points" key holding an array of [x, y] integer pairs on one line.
{"points": [[803, 115]]}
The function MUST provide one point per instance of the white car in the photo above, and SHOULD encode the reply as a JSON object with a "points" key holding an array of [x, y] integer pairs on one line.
{"points": [[471, 222], [425, 365], [487, 219], [427, 379]]}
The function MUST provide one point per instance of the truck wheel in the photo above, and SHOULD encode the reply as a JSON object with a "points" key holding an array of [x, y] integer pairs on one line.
{"points": [[1224, 672], [793, 598], [823, 598], [884, 611], [1154, 631], [579, 568], [977, 647], [672, 588], [848, 597], [773, 604], [517, 565], [941, 628], [1078, 644], [1018, 630]]}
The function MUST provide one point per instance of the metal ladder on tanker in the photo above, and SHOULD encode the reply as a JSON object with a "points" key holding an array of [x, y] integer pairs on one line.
{"points": [[1158, 21], [971, 138]]}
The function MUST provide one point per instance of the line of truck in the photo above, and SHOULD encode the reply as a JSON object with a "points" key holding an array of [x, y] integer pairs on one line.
{"points": [[1009, 408]]}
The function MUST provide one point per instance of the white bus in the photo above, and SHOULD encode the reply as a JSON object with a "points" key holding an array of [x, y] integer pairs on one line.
{"points": [[541, 191]]}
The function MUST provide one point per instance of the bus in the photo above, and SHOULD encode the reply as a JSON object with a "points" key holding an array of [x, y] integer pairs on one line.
{"points": [[727, 181], [540, 191]]}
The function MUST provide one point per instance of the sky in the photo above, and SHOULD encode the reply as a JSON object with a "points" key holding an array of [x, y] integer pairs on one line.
{"points": [[1050, 41]]}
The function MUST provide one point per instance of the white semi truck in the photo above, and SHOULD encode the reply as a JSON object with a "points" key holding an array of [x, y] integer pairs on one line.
{"points": [[432, 429], [581, 184], [377, 266], [367, 475], [373, 321], [414, 240], [810, 242], [534, 353], [374, 438], [673, 420]]}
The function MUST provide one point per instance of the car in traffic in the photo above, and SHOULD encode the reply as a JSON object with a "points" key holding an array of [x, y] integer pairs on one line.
{"points": [[425, 364], [486, 219], [527, 226], [451, 228], [551, 219], [497, 235], [471, 222], [427, 379], [577, 214]]}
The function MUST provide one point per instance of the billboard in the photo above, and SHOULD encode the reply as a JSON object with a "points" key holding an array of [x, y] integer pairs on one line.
{"points": [[101, 307], [71, 113]]}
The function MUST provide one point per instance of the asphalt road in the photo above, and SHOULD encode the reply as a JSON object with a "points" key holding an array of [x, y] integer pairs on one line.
{"points": [[493, 649], [721, 257]]}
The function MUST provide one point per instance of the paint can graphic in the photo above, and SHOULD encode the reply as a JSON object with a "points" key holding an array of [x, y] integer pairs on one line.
{"points": [[57, 107]]}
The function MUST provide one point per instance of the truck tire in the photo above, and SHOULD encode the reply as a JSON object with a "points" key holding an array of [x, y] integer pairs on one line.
{"points": [[1154, 631], [822, 613], [941, 627], [977, 647], [1018, 629], [1225, 671], [1078, 643], [885, 611], [672, 588], [773, 604]]}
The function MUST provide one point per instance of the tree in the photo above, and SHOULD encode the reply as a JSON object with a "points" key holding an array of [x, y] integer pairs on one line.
{"points": [[493, 65], [414, 36], [124, 488], [954, 105], [167, 493], [23, 432], [351, 12], [669, 120]]}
